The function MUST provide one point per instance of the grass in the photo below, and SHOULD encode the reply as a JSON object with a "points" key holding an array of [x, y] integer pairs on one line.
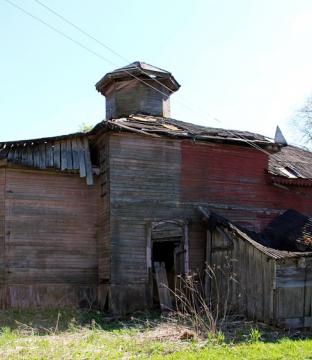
{"points": [[70, 334]]}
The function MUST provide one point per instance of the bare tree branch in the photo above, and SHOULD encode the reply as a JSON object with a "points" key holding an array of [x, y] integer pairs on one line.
{"points": [[303, 121]]}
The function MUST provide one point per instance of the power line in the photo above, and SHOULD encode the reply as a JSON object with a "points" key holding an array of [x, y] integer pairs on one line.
{"points": [[77, 42], [233, 133], [90, 36]]}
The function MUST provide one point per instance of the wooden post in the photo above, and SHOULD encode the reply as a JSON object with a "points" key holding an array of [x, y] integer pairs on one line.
{"points": [[186, 250], [149, 270], [208, 263]]}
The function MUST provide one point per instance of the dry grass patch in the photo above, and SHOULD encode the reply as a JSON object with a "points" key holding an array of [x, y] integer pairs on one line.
{"points": [[91, 335]]}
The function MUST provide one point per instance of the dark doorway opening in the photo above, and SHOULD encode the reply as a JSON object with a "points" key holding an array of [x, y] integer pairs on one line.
{"points": [[164, 252], [167, 260]]}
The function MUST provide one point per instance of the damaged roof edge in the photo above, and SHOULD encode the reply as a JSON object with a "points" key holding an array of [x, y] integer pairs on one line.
{"points": [[43, 139], [65, 153], [167, 127], [296, 161], [270, 252]]}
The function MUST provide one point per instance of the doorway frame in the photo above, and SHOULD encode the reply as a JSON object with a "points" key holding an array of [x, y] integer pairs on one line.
{"points": [[152, 225]]}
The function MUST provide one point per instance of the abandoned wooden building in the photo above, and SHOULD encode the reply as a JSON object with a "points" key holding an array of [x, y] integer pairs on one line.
{"points": [[83, 217], [265, 275]]}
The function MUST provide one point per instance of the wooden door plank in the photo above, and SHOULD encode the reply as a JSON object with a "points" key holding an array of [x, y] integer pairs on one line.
{"points": [[162, 285]]}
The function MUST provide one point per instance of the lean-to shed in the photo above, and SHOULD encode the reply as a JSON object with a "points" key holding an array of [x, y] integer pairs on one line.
{"points": [[264, 283]]}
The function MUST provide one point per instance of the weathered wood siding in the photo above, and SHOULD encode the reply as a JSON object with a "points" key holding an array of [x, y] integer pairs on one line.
{"points": [[273, 290], [134, 97], [144, 187], [293, 292], [50, 239], [231, 179], [153, 179], [252, 291], [104, 252], [2, 232]]}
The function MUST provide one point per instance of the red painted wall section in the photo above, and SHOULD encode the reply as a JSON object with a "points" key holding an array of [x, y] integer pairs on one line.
{"points": [[219, 174]]}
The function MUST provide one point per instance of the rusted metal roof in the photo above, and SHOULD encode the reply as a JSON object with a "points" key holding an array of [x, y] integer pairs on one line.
{"points": [[292, 165]]}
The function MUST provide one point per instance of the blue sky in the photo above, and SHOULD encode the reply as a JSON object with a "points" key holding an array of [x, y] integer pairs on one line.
{"points": [[248, 63]]}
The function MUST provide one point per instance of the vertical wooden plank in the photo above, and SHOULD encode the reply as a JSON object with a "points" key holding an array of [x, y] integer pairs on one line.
{"points": [[42, 156], [24, 156], [149, 268], [148, 245], [69, 155], [104, 251], [30, 155], [36, 156], [57, 154], [63, 155], [266, 284], [82, 163], [234, 285], [11, 154], [249, 282], [49, 154], [307, 302], [208, 265], [2, 235], [186, 249], [243, 276], [17, 154], [273, 297], [89, 171], [163, 288], [75, 153], [259, 290]]}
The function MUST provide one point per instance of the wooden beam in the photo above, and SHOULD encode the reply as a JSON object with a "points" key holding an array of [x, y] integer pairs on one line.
{"points": [[81, 155], [57, 154], [64, 155], [88, 161]]}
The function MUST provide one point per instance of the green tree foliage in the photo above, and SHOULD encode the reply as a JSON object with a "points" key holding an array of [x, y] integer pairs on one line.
{"points": [[84, 127]]}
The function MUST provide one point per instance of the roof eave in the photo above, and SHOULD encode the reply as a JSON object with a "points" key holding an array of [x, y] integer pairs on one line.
{"points": [[283, 180]]}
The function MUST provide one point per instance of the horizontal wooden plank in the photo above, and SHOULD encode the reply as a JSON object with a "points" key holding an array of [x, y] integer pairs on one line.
{"points": [[51, 229], [51, 275], [293, 276], [48, 295]]}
